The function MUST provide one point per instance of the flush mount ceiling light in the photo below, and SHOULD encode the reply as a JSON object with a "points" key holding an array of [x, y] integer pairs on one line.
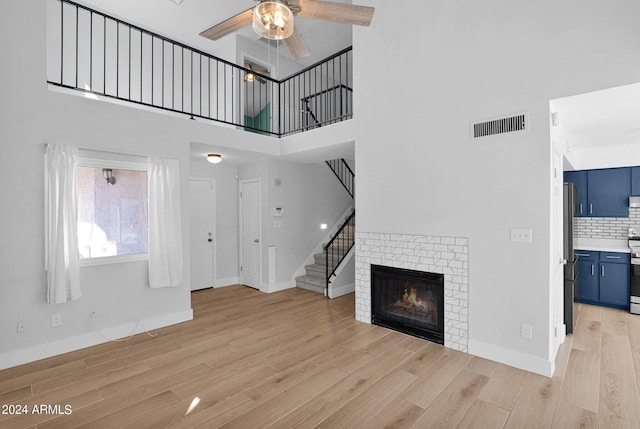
{"points": [[273, 20], [214, 158]]}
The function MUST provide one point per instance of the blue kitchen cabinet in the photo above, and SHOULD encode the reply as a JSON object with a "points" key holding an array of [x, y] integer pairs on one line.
{"points": [[608, 192], [614, 279], [635, 181], [588, 278], [603, 278], [602, 193], [579, 178]]}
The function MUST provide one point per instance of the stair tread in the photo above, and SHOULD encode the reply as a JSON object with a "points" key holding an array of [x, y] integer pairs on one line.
{"points": [[311, 288], [319, 280]]}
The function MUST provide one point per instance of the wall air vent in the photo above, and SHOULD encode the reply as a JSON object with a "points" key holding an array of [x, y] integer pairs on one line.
{"points": [[500, 126]]}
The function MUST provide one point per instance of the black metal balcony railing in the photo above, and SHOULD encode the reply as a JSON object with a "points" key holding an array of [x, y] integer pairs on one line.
{"points": [[95, 53]]}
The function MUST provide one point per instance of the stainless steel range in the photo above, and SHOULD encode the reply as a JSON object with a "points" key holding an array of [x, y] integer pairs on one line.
{"points": [[634, 281]]}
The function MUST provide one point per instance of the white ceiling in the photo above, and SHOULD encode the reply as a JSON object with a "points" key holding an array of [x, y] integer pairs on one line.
{"points": [[184, 22], [602, 118]]}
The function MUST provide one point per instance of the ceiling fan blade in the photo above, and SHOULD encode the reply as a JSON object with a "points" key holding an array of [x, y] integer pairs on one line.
{"points": [[338, 12], [295, 45], [230, 25]]}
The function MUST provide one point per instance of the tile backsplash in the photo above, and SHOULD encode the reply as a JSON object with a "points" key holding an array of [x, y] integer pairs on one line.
{"points": [[606, 227]]}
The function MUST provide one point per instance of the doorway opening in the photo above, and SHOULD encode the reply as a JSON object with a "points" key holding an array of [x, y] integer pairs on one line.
{"points": [[258, 96]]}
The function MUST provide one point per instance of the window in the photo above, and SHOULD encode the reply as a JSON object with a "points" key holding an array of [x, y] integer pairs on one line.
{"points": [[112, 217]]}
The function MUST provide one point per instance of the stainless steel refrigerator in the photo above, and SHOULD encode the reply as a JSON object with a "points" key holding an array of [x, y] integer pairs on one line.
{"points": [[570, 197]]}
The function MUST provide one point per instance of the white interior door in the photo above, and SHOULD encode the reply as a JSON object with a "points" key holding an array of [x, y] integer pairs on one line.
{"points": [[250, 233], [202, 226]]}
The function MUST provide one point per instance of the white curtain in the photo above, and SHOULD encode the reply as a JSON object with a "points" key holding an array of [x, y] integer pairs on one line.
{"points": [[165, 226], [61, 224]]}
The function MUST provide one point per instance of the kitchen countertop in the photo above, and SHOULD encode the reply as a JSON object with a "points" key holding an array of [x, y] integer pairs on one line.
{"points": [[602, 245]]}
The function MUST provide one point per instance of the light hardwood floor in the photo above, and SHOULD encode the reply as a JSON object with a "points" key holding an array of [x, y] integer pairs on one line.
{"points": [[295, 360]]}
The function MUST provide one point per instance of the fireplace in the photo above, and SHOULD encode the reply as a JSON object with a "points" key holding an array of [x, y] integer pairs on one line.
{"points": [[408, 301]]}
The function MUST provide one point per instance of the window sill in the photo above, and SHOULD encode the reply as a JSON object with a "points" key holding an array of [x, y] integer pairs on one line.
{"points": [[104, 260]]}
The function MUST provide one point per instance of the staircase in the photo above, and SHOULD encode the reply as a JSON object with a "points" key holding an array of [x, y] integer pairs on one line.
{"points": [[315, 277], [319, 275]]}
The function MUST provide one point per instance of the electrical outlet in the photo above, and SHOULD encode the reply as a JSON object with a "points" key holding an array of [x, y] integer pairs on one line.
{"points": [[521, 235], [92, 313], [527, 331], [22, 326], [56, 320]]}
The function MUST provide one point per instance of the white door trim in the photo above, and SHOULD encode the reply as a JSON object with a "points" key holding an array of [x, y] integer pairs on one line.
{"points": [[213, 224], [240, 231]]}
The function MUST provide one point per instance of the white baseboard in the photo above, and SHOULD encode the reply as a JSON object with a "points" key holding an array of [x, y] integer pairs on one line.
{"points": [[226, 282], [278, 286], [65, 345], [512, 358], [337, 291]]}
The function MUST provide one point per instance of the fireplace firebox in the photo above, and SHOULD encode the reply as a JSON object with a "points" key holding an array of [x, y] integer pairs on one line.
{"points": [[408, 301]]}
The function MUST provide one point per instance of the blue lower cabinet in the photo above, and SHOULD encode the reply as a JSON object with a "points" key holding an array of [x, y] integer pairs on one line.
{"points": [[603, 278], [588, 278], [614, 284]]}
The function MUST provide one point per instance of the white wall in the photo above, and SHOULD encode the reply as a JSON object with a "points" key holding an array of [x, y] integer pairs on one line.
{"points": [[418, 171], [31, 115], [310, 195], [278, 59], [606, 157]]}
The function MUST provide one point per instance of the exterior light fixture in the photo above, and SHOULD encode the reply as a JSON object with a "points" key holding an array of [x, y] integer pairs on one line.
{"points": [[273, 20], [107, 173], [214, 158]]}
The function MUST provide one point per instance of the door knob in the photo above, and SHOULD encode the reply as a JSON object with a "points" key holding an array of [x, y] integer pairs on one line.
{"points": [[210, 240], [256, 241]]}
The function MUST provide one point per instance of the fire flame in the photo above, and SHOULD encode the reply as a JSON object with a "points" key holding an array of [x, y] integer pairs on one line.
{"points": [[410, 298]]}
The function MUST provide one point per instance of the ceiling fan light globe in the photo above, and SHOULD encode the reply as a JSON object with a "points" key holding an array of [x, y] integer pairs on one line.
{"points": [[273, 20]]}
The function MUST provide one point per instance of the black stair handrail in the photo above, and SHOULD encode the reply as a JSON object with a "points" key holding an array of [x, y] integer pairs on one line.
{"points": [[308, 110], [344, 173], [338, 247]]}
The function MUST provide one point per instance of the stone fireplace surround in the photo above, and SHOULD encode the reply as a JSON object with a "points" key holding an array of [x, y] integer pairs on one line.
{"points": [[443, 255]]}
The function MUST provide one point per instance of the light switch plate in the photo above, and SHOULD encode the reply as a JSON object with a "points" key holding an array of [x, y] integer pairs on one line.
{"points": [[56, 320], [526, 331], [521, 235]]}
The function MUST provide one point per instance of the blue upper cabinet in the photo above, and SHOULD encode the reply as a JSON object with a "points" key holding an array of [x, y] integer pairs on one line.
{"points": [[635, 181], [603, 193], [608, 192], [580, 180]]}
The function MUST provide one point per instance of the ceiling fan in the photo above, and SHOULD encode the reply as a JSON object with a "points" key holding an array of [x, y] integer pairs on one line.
{"points": [[273, 19], [252, 77]]}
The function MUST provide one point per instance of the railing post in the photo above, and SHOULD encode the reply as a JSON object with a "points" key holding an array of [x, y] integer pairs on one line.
{"points": [[326, 268]]}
